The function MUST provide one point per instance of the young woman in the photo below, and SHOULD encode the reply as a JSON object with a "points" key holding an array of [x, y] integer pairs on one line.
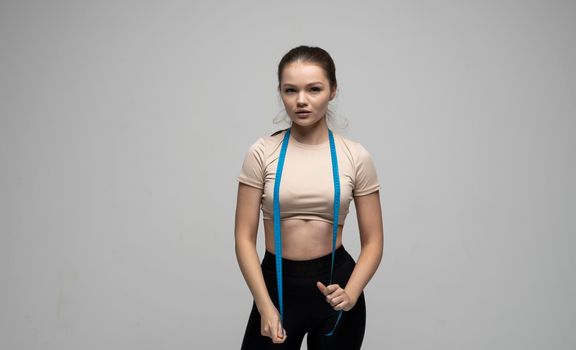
{"points": [[304, 178]]}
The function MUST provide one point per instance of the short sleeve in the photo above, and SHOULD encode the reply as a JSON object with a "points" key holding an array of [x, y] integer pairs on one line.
{"points": [[366, 177], [252, 171]]}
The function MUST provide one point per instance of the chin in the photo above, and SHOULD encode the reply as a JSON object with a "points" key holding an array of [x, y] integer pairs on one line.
{"points": [[305, 122]]}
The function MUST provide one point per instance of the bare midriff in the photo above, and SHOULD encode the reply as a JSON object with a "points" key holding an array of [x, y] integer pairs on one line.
{"points": [[302, 239]]}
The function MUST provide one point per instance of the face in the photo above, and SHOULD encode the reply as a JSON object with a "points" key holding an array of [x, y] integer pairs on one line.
{"points": [[305, 92]]}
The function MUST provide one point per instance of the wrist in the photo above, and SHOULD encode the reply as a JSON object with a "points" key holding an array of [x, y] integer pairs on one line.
{"points": [[352, 294], [265, 306]]}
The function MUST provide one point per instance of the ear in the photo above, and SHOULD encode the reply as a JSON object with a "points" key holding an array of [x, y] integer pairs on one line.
{"points": [[333, 94]]}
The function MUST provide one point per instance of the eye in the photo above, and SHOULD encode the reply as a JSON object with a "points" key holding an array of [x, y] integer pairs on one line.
{"points": [[316, 89], [288, 90]]}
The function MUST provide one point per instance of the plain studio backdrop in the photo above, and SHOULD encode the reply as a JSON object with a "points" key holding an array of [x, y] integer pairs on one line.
{"points": [[124, 125]]}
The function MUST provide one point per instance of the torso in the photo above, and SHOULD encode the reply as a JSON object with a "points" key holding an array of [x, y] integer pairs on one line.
{"points": [[302, 239]]}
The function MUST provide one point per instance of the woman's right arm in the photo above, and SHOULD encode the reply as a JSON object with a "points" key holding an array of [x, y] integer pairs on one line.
{"points": [[245, 233], [246, 230]]}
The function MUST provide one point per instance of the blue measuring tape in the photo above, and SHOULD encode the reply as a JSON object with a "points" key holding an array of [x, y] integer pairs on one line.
{"points": [[278, 236]]}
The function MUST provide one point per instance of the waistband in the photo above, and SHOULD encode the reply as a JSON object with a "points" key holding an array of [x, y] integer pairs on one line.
{"points": [[305, 268]]}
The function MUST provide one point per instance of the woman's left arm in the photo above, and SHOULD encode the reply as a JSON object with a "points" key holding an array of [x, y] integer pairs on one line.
{"points": [[371, 229]]}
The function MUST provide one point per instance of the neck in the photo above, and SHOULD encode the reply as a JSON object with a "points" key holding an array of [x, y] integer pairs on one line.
{"points": [[314, 134]]}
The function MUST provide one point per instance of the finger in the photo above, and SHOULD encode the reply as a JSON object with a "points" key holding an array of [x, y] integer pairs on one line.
{"points": [[334, 287], [320, 286], [335, 291], [280, 330], [331, 289], [328, 290], [333, 301], [273, 334], [281, 333], [338, 292], [280, 338], [341, 305]]}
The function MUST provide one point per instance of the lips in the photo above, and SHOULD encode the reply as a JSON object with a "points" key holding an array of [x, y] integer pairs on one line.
{"points": [[302, 111]]}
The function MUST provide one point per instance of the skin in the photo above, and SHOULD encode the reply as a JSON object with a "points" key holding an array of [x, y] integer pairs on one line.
{"points": [[305, 86]]}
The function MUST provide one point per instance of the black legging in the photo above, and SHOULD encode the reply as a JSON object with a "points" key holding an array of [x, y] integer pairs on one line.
{"points": [[305, 307]]}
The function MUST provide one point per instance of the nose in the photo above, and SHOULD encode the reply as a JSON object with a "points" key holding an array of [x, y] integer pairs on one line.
{"points": [[301, 101]]}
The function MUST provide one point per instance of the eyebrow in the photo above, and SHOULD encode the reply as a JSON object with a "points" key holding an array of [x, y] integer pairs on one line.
{"points": [[315, 82]]}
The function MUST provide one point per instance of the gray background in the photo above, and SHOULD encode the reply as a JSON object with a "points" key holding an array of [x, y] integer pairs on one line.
{"points": [[124, 125]]}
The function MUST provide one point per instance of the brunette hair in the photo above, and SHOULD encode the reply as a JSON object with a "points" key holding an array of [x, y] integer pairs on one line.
{"points": [[310, 54]]}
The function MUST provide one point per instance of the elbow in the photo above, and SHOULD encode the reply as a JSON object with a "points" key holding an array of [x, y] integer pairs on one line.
{"points": [[242, 243], [375, 245]]}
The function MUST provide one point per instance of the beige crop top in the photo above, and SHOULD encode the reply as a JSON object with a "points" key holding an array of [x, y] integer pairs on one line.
{"points": [[307, 185]]}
